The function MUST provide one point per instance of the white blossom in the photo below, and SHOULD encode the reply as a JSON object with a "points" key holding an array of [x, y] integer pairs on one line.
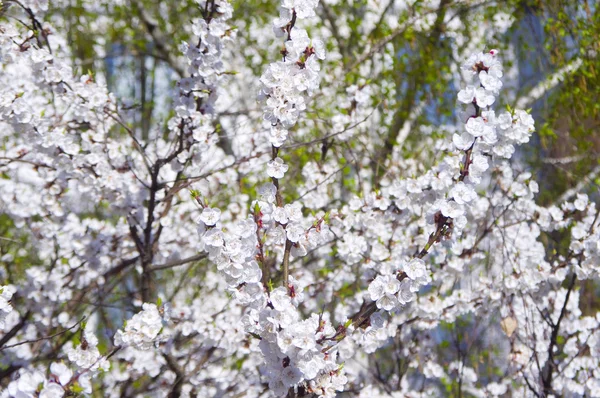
{"points": [[276, 168], [142, 329]]}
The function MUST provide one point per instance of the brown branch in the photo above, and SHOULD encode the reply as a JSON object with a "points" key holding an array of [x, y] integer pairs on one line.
{"points": [[177, 263], [120, 267], [549, 366], [41, 338], [285, 266], [14, 330]]}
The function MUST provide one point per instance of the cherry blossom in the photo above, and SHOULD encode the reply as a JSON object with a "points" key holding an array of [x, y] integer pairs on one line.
{"points": [[141, 330], [276, 168], [6, 292], [282, 283]]}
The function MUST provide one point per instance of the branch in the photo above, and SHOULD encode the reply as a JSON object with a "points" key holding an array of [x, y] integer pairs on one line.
{"points": [[41, 338], [548, 84], [14, 330], [176, 263], [548, 369], [120, 267], [285, 266]]}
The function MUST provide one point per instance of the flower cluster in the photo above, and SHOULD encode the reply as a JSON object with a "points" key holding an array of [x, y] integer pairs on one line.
{"points": [[58, 384], [206, 67], [488, 70], [86, 355], [233, 252], [497, 134], [6, 292], [293, 348], [455, 185], [142, 330], [287, 83], [390, 293]]}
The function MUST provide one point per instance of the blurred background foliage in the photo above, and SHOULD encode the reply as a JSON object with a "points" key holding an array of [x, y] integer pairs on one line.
{"points": [[139, 42]]}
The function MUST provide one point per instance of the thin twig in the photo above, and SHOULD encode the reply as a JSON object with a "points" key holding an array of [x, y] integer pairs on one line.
{"points": [[176, 263], [42, 338]]}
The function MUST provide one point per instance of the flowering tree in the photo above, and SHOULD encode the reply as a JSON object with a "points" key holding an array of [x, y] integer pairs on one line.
{"points": [[279, 231]]}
